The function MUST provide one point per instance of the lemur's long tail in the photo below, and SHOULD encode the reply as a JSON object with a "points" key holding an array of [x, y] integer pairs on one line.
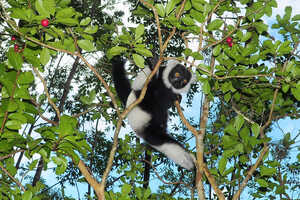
{"points": [[120, 79], [166, 144]]}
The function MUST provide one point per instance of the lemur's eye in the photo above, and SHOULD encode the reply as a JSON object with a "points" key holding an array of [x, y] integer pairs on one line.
{"points": [[185, 81], [177, 74]]}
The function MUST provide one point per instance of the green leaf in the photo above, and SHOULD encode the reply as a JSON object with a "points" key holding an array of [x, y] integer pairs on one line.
{"points": [[287, 15], [296, 93], [44, 154], [206, 87], [138, 60], [33, 164], [262, 182], [197, 15], [18, 116], [255, 128], [246, 37], [261, 27], [45, 56], [15, 59], [61, 164], [25, 78], [86, 45], [148, 192], [197, 56], [222, 164], [138, 193], [27, 195], [217, 50], [239, 121], [126, 188], [13, 124], [265, 171], [88, 99], [65, 13], [160, 9], [67, 125], [254, 59], [215, 25], [227, 97], [285, 87], [139, 31], [114, 51], [143, 51], [296, 18], [91, 29], [170, 6], [67, 21], [69, 44], [198, 5], [64, 3], [12, 106], [188, 21], [268, 11], [22, 92], [85, 21], [45, 7]]}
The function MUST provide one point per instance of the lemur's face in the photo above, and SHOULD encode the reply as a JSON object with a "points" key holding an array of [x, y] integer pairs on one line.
{"points": [[179, 76]]}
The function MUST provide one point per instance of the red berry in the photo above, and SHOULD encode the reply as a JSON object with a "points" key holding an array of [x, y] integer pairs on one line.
{"points": [[13, 38], [229, 40], [230, 44], [16, 48], [44, 22]]}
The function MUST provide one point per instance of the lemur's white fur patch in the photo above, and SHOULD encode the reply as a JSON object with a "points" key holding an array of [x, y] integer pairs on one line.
{"points": [[137, 117], [170, 65], [176, 153], [141, 78]]}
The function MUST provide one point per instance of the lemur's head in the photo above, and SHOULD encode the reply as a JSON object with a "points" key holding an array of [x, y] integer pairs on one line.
{"points": [[177, 77]]}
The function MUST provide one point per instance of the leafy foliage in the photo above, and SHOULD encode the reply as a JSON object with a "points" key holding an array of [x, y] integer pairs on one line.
{"points": [[55, 111]]}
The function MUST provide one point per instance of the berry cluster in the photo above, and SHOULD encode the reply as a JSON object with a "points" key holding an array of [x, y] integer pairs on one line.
{"points": [[229, 41], [44, 23], [16, 46]]}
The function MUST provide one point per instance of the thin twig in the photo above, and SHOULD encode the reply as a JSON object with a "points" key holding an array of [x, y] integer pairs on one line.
{"points": [[47, 92], [250, 173], [11, 154], [161, 179], [41, 115], [240, 113], [213, 182], [13, 178], [184, 120]]}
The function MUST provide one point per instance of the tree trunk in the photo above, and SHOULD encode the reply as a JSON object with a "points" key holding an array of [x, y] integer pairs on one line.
{"points": [[38, 172], [147, 169]]}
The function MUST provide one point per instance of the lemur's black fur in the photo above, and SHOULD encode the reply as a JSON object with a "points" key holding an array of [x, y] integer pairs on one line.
{"points": [[149, 118]]}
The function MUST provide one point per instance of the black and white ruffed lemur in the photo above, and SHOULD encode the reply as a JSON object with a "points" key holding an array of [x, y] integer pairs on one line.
{"points": [[149, 118]]}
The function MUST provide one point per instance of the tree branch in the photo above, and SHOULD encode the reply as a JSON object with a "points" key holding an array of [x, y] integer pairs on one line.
{"points": [[13, 178], [250, 173], [46, 91]]}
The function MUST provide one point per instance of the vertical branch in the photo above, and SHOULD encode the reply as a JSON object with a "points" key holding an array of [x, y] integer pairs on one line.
{"points": [[67, 86], [200, 146], [147, 168]]}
